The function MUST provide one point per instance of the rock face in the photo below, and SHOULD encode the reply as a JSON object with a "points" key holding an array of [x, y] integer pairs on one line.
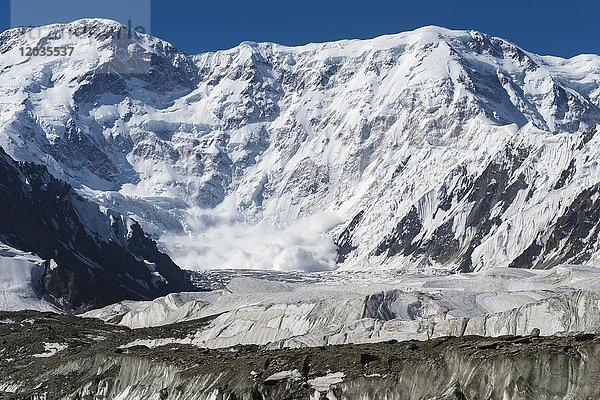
{"points": [[435, 148], [91, 258], [73, 358]]}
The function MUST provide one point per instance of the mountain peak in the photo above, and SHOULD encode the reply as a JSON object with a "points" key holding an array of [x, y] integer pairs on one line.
{"points": [[85, 41], [86, 27]]}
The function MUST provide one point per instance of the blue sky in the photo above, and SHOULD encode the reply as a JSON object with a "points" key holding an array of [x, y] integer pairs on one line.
{"points": [[550, 27]]}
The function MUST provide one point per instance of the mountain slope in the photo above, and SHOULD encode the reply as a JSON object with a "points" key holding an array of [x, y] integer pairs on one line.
{"points": [[427, 149], [92, 258]]}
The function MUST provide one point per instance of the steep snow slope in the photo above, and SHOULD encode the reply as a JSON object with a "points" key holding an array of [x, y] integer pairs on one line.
{"points": [[427, 149]]}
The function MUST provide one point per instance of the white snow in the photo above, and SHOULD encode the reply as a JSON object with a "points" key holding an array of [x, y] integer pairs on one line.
{"points": [[19, 273], [51, 349]]}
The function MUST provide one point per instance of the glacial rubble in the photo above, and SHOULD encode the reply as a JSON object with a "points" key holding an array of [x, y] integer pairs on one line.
{"points": [[62, 357]]}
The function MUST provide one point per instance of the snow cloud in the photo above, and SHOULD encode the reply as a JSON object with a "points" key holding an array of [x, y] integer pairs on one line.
{"points": [[301, 246]]}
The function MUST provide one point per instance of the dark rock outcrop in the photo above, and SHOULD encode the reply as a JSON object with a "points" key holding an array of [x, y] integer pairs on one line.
{"points": [[94, 258]]}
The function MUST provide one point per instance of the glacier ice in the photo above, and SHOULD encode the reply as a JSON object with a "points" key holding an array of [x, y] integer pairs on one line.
{"points": [[20, 275], [495, 302]]}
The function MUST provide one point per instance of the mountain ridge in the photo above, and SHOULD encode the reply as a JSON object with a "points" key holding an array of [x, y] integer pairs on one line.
{"points": [[429, 146]]}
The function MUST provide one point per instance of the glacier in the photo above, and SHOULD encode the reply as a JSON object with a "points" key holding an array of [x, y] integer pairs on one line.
{"points": [[84, 358], [346, 309]]}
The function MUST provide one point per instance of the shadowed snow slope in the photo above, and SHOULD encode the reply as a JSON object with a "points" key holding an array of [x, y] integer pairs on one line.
{"points": [[492, 303], [431, 148], [21, 281]]}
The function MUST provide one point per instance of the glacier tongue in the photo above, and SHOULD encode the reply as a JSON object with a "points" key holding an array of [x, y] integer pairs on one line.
{"points": [[433, 148], [348, 309]]}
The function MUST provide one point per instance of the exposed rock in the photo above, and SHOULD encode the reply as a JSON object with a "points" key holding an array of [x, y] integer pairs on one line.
{"points": [[93, 258]]}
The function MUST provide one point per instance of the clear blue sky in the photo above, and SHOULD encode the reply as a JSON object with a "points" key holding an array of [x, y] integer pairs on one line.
{"points": [[562, 28]]}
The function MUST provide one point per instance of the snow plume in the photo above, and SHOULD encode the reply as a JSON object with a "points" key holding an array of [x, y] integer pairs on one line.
{"points": [[301, 246]]}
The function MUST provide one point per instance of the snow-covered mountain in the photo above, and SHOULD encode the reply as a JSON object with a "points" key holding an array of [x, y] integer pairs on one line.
{"points": [[432, 148]]}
